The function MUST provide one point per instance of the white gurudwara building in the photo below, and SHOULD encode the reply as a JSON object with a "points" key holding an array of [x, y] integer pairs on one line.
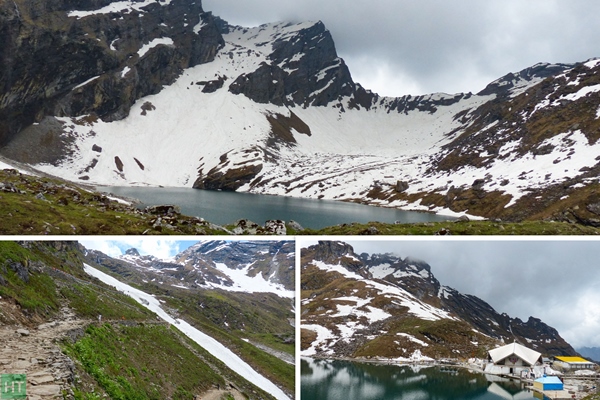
{"points": [[514, 359]]}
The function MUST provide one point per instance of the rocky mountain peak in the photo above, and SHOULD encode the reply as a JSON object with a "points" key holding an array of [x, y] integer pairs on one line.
{"points": [[302, 66], [132, 252], [328, 250], [249, 266], [411, 274], [512, 81], [418, 264]]}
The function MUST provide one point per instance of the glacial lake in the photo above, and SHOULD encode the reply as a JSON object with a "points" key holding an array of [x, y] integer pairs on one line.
{"points": [[344, 380], [227, 207]]}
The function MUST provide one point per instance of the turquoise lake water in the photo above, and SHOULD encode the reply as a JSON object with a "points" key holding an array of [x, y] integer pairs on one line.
{"points": [[227, 207], [344, 380]]}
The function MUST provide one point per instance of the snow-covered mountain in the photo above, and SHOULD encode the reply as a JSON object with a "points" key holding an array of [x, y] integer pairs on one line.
{"points": [[381, 305], [272, 109], [237, 266]]}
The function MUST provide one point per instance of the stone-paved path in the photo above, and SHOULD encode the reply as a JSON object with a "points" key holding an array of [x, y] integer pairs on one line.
{"points": [[36, 353]]}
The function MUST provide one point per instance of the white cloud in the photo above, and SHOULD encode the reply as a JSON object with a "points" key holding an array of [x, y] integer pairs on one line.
{"points": [[158, 247], [379, 77], [107, 247], [583, 319]]}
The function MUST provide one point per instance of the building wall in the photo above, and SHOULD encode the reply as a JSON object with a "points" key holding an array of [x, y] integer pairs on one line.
{"points": [[505, 369], [512, 361], [573, 366], [547, 386]]}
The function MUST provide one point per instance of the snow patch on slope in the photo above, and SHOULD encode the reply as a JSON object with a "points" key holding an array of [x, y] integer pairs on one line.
{"points": [[373, 314], [413, 339], [381, 271], [175, 133], [323, 334], [399, 295], [153, 43], [118, 7], [245, 283]]}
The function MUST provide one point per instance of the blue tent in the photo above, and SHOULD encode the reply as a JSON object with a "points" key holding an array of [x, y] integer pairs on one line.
{"points": [[548, 383]]}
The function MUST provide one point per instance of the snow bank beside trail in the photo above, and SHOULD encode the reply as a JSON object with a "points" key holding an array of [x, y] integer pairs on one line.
{"points": [[208, 343], [416, 357], [582, 372], [5, 166]]}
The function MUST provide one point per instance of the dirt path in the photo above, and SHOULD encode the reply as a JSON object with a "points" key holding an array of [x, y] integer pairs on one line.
{"points": [[35, 352], [218, 394]]}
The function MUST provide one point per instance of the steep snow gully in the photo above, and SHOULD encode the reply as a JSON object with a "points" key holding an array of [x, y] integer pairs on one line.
{"points": [[207, 342]]}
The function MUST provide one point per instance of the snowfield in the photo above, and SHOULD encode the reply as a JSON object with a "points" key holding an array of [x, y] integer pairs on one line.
{"points": [[249, 284], [208, 343]]}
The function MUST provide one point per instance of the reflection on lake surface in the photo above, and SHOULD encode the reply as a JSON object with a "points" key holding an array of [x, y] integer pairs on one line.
{"points": [[344, 380], [227, 207]]}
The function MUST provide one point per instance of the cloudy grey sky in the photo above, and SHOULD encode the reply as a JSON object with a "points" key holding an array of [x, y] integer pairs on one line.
{"points": [[554, 280], [398, 47]]}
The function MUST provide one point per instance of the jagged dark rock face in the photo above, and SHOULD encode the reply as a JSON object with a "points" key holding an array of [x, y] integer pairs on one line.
{"points": [[411, 274], [46, 54], [232, 253], [405, 104], [335, 252], [230, 180], [328, 250], [547, 337], [309, 52], [132, 252]]}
